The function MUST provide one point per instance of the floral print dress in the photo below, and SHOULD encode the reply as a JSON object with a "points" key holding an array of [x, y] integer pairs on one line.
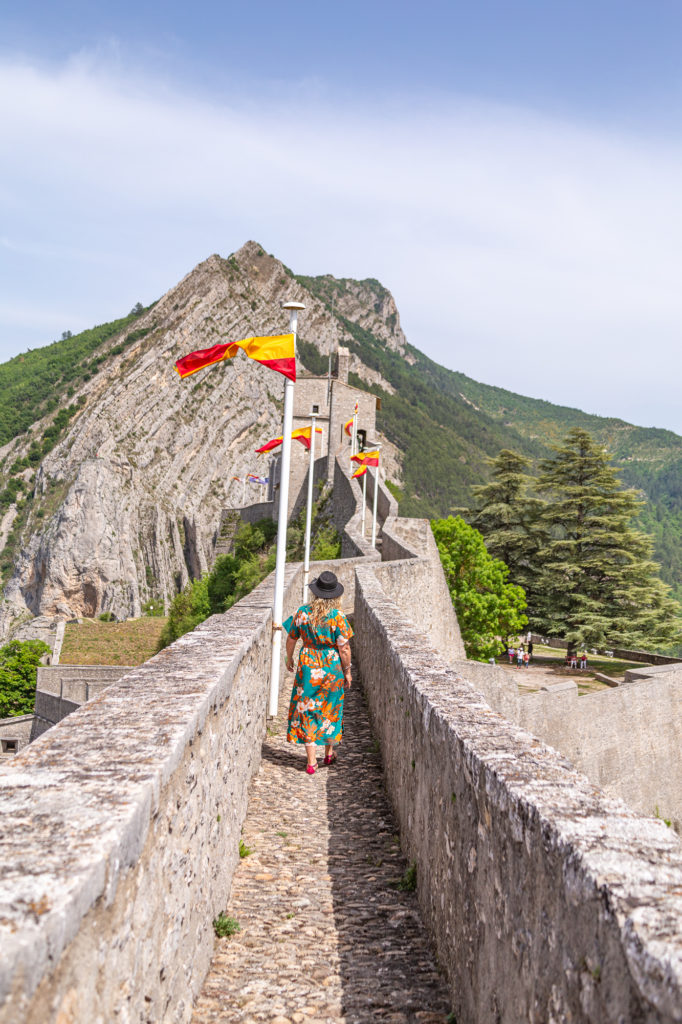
{"points": [[316, 709]]}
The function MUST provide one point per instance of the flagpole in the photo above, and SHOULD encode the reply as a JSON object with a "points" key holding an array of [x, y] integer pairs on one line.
{"points": [[364, 500], [309, 508], [282, 521], [376, 492], [244, 491]]}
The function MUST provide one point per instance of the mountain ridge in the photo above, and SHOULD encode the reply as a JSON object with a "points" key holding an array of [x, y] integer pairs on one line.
{"points": [[112, 496]]}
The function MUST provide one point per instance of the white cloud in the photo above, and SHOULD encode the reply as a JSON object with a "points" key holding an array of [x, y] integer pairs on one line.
{"points": [[530, 253]]}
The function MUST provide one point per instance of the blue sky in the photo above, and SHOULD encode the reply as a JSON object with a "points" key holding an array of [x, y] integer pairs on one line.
{"points": [[511, 171]]}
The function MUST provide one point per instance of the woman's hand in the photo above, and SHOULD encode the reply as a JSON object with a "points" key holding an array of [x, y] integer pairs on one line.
{"points": [[290, 664], [348, 678]]}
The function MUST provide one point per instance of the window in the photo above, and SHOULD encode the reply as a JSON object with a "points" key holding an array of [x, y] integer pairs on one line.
{"points": [[316, 409], [9, 746]]}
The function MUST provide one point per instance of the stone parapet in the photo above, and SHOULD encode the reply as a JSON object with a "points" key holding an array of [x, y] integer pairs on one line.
{"points": [[62, 689], [125, 829], [627, 740], [548, 900], [15, 733], [346, 514]]}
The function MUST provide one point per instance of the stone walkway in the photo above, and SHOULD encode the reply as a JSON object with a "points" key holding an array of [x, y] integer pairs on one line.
{"points": [[327, 937]]}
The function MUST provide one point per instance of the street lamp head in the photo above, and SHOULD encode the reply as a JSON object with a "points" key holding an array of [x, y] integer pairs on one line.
{"points": [[292, 305]]}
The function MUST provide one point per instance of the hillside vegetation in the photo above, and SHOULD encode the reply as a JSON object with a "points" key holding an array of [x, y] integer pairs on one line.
{"points": [[41, 380], [446, 424]]}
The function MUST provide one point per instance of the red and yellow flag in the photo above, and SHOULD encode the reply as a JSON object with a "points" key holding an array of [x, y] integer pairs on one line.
{"points": [[367, 458], [360, 471], [302, 435], [348, 427], [277, 352]]}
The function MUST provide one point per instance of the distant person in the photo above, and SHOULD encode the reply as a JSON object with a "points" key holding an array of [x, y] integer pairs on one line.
{"points": [[530, 648], [526, 659], [512, 654], [316, 710], [519, 658], [583, 660], [521, 647], [574, 659]]}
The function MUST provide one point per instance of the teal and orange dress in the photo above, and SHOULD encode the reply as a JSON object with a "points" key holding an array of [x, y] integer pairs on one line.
{"points": [[316, 709]]}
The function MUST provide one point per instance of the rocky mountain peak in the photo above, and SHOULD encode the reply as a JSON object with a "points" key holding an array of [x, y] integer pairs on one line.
{"points": [[125, 507]]}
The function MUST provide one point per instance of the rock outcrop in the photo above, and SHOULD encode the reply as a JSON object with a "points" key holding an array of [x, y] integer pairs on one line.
{"points": [[127, 505]]}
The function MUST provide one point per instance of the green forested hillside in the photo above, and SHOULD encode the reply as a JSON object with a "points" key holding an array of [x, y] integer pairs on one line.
{"points": [[446, 424], [36, 382]]}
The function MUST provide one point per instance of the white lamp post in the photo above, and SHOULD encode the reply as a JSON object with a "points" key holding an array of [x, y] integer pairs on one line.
{"points": [[364, 500], [282, 521], [309, 508]]}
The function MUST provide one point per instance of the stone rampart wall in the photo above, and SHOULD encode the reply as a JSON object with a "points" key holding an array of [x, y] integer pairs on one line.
{"points": [[62, 689], [15, 730], [671, 673], [548, 900], [499, 688], [627, 740], [347, 515], [125, 830]]}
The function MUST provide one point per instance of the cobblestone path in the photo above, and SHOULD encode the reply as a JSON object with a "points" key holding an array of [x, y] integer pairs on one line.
{"points": [[326, 935]]}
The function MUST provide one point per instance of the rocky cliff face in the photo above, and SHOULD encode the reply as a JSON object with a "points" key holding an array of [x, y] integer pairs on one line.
{"points": [[126, 506]]}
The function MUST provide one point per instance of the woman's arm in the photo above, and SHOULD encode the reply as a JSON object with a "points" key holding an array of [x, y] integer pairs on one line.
{"points": [[344, 655], [291, 647]]}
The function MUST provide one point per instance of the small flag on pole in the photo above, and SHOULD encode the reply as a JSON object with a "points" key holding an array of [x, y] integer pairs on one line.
{"points": [[276, 352], [237, 478], [355, 411], [366, 458], [360, 471], [348, 427], [302, 435], [253, 479]]}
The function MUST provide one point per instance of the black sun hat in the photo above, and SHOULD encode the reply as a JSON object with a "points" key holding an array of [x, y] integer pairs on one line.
{"points": [[326, 585]]}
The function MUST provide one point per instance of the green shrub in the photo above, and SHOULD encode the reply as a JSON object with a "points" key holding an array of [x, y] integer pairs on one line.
{"points": [[107, 617], [188, 609], [154, 608], [19, 660], [225, 926], [233, 577], [488, 608]]}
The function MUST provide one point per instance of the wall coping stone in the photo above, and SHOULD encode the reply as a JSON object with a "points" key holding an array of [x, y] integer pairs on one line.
{"points": [[624, 869], [74, 833]]}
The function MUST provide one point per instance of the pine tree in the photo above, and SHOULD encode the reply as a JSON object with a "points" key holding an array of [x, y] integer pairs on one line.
{"points": [[510, 520], [597, 583]]}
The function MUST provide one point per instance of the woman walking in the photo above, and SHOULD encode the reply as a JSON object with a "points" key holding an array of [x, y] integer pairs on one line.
{"points": [[316, 709]]}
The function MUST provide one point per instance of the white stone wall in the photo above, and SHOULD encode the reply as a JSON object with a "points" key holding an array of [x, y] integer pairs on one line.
{"points": [[124, 830], [627, 740], [548, 901]]}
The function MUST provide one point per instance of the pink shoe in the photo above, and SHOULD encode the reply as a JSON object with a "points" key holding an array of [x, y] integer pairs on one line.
{"points": [[329, 758], [310, 769]]}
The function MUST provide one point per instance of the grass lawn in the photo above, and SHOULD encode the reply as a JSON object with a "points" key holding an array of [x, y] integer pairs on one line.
{"points": [[614, 667], [111, 643], [552, 659]]}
